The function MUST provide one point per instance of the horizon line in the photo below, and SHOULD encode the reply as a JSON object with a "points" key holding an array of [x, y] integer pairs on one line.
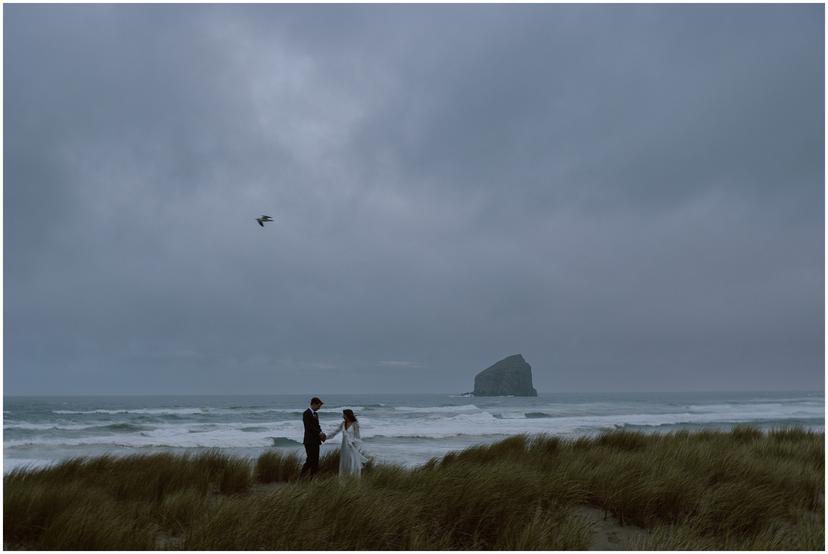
{"points": [[450, 393]]}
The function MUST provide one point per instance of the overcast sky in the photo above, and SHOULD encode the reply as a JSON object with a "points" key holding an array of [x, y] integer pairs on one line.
{"points": [[629, 196]]}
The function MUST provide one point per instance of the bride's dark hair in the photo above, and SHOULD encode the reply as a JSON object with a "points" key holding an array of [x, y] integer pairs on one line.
{"points": [[349, 415]]}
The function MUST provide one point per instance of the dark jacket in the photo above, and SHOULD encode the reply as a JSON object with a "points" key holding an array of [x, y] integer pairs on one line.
{"points": [[312, 428]]}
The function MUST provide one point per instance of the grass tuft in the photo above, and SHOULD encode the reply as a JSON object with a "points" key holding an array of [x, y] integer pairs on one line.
{"points": [[274, 467], [621, 439], [745, 433]]}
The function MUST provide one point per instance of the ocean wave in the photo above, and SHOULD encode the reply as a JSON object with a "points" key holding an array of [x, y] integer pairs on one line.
{"points": [[422, 436], [231, 435], [122, 427], [403, 422], [62, 427], [520, 414], [284, 441], [184, 411], [811, 423], [153, 411], [236, 438], [747, 412], [438, 409]]}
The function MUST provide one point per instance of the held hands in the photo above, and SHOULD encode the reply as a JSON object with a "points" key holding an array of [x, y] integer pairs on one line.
{"points": [[323, 436]]}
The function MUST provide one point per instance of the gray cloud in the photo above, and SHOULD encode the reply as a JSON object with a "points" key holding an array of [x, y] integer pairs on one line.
{"points": [[631, 196]]}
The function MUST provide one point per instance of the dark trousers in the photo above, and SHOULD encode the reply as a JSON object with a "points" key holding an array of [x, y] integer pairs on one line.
{"points": [[312, 463]]}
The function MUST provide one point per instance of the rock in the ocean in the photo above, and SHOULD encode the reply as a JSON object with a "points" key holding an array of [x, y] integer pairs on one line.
{"points": [[511, 375]]}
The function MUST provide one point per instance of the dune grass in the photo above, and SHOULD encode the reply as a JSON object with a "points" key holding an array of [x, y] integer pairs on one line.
{"points": [[743, 489]]}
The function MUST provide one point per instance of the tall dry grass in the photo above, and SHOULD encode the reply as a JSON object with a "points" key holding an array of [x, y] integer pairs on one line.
{"points": [[742, 489]]}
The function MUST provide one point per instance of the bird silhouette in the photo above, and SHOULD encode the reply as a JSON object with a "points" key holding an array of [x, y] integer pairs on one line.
{"points": [[263, 219]]}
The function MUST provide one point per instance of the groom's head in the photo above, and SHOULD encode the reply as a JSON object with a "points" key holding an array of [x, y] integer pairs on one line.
{"points": [[315, 403]]}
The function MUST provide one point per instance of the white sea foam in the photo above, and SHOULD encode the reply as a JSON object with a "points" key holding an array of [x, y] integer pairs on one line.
{"points": [[226, 436], [48, 426], [438, 409], [401, 430], [149, 411], [465, 423], [195, 410]]}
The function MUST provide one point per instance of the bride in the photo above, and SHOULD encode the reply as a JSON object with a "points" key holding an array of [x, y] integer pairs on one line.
{"points": [[351, 455]]}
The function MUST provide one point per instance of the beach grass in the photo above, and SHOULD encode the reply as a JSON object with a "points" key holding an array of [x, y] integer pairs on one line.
{"points": [[739, 490]]}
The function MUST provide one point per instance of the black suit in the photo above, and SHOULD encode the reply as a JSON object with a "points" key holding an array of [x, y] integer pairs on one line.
{"points": [[312, 441]]}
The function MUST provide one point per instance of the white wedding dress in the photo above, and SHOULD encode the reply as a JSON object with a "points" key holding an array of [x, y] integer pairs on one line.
{"points": [[352, 454]]}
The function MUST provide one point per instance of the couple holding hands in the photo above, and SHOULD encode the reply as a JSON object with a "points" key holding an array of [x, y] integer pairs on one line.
{"points": [[351, 454]]}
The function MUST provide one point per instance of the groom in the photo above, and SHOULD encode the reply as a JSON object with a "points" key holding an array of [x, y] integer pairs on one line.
{"points": [[313, 437]]}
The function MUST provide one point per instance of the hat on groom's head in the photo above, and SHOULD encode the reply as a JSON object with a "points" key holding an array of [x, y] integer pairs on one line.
{"points": [[315, 400]]}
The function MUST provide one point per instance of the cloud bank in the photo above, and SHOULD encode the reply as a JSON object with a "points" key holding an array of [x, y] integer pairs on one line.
{"points": [[630, 196]]}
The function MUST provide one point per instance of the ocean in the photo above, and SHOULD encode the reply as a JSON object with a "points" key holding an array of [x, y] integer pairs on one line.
{"points": [[406, 429]]}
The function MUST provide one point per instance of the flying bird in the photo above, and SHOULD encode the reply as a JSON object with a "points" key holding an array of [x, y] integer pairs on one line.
{"points": [[263, 219]]}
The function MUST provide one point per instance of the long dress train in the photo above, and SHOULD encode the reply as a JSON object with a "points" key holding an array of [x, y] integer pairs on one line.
{"points": [[352, 454]]}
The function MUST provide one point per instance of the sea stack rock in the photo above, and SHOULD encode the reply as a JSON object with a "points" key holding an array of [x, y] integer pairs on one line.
{"points": [[509, 376]]}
